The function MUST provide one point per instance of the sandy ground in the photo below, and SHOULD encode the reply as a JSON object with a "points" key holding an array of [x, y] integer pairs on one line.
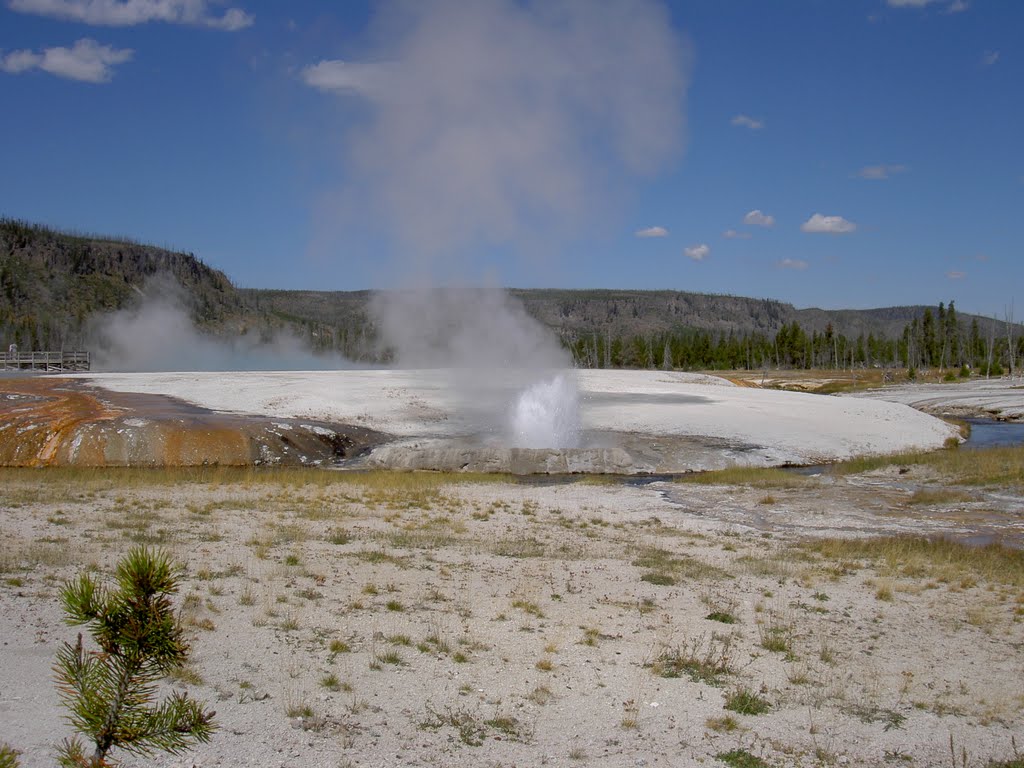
{"points": [[772, 427], [408, 623], [403, 622]]}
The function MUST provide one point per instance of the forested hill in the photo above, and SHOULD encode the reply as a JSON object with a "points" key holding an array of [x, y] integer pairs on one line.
{"points": [[630, 313], [54, 285]]}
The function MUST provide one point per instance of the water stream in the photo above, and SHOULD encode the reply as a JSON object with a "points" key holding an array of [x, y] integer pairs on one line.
{"points": [[988, 433]]}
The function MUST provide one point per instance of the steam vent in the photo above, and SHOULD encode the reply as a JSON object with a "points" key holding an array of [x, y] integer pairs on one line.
{"points": [[60, 422]]}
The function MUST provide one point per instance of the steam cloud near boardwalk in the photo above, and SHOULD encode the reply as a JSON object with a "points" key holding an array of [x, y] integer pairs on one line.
{"points": [[157, 334]]}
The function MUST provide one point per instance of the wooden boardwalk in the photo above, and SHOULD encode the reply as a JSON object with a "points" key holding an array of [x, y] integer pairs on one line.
{"points": [[52, 362]]}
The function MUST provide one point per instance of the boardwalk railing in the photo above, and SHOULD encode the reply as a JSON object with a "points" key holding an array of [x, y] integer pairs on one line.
{"points": [[44, 361]]}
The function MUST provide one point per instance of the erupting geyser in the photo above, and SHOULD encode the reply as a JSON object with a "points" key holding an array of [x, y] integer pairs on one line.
{"points": [[484, 142], [546, 414]]}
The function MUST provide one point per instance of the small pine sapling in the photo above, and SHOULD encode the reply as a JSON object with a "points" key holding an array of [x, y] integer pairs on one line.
{"points": [[8, 757], [111, 692]]}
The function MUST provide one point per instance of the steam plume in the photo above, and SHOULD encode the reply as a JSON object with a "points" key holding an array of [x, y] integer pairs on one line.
{"points": [[157, 334], [499, 122]]}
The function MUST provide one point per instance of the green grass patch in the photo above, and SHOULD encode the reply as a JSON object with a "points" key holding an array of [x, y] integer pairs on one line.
{"points": [[751, 477], [722, 617], [127, 478], [938, 496], [665, 568], [743, 701], [740, 758], [658, 578]]}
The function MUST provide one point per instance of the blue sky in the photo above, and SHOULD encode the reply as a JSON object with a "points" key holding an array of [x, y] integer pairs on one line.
{"points": [[852, 153]]}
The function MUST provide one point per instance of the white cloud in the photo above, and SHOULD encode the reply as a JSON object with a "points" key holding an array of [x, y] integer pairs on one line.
{"points": [[698, 252], [954, 274], [833, 225], [86, 60], [757, 218], [652, 232], [340, 76], [127, 13], [956, 6], [20, 61], [732, 234], [883, 171], [791, 264], [989, 58], [745, 121]]}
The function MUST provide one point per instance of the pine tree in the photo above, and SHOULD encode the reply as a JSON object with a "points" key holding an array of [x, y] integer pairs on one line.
{"points": [[8, 757], [111, 692]]}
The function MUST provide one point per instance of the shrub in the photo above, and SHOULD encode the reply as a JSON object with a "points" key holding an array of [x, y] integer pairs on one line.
{"points": [[745, 702], [703, 661], [741, 758]]}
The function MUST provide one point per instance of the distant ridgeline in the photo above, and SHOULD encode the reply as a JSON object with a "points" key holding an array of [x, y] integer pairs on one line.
{"points": [[694, 331], [54, 285]]}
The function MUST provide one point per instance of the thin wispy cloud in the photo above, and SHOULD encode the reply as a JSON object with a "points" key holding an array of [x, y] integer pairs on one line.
{"points": [[128, 13], [746, 121], [86, 61], [955, 274], [989, 58], [732, 234], [697, 252], [652, 232], [337, 76], [791, 264], [757, 218], [830, 225], [956, 6], [878, 172]]}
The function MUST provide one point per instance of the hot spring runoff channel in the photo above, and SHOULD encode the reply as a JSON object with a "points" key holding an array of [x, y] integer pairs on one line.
{"points": [[988, 433]]}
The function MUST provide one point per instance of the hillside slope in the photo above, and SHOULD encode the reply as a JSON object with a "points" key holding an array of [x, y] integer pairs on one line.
{"points": [[52, 285]]}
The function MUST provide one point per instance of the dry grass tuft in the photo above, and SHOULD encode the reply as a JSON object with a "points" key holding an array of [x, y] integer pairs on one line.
{"points": [[991, 466], [938, 496], [939, 559]]}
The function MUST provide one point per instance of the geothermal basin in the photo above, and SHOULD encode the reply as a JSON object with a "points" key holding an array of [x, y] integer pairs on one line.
{"points": [[596, 421]]}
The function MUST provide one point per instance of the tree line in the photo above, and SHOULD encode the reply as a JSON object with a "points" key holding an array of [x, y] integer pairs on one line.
{"points": [[938, 339]]}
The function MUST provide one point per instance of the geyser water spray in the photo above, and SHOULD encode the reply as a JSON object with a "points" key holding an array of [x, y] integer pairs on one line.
{"points": [[546, 415]]}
